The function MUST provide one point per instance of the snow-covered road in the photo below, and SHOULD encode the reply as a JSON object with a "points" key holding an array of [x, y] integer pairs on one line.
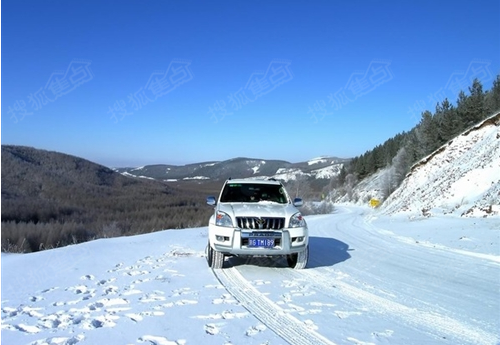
{"points": [[370, 280], [363, 274]]}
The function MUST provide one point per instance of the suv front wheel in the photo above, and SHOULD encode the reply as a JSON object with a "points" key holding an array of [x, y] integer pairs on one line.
{"points": [[298, 260], [215, 259]]}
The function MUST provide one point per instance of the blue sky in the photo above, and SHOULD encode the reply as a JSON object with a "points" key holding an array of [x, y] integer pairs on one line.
{"points": [[129, 83]]}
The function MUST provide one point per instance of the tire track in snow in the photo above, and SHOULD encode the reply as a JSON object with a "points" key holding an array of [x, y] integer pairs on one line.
{"points": [[274, 317], [439, 324]]}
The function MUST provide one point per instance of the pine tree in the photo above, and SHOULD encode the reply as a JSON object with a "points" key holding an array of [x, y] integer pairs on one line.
{"points": [[427, 133], [412, 146], [447, 120], [475, 104], [342, 175], [463, 118], [493, 104]]}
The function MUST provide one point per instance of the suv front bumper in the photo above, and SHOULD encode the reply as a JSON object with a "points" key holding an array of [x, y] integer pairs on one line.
{"points": [[235, 241]]}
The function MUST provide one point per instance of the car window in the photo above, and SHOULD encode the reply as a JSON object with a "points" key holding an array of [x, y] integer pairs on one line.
{"points": [[250, 192]]}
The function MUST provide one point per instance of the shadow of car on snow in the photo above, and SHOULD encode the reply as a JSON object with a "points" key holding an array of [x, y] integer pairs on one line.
{"points": [[323, 252]]}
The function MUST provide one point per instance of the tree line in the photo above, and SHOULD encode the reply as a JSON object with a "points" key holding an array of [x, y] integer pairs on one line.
{"points": [[434, 129]]}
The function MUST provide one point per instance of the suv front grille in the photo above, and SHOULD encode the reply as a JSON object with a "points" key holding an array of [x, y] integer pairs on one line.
{"points": [[267, 223]]}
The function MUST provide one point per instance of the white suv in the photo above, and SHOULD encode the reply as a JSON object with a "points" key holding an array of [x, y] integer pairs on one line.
{"points": [[254, 218]]}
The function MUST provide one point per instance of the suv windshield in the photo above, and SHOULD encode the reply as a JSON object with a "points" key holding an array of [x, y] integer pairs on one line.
{"points": [[253, 192]]}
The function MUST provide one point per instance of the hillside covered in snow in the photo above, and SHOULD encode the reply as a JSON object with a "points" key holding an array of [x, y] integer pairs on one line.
{"points": [[461, 177]]}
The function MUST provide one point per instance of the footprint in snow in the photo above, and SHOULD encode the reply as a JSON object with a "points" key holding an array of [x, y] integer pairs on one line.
{"points": [[186, 302], [36, 298], [164, 306], [140, 281], [10, 312], [49, 290], [148, 260], [111, 290], [80, 289], [107, 321], [50, 322], [384, 334], [137, 317], [87, 277], [105, 281], [153, 297], [27, 328], [212, 328], [287, 298], [184, 291], [111, 302], [252, 331], [117, 268], [21, 310], [95, 306], [137, 273], [59, 340], [225, 299], [162, 278]]}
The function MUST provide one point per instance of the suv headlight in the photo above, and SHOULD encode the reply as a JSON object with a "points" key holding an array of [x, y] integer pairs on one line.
{"points": [[223, 219], [297, 221]]}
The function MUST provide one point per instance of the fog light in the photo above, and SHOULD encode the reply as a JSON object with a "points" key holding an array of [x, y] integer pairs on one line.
{"points": [[219, 238], [300, 239]]}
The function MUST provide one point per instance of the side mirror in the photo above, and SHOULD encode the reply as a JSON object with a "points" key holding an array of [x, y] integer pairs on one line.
{"points": [[297, 202], [211, 201]]}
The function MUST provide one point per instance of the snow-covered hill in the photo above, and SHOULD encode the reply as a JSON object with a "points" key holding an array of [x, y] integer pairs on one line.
{"points": [[371, 280], [463, 177]]}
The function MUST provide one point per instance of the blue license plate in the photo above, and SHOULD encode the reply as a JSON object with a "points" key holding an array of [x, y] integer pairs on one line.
{"points": [[261, 242]]}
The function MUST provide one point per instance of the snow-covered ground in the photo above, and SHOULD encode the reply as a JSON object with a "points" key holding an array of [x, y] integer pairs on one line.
{"points": [[371, 279]]}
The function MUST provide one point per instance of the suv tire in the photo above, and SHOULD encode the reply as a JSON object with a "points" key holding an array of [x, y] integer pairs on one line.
{"points": [[215, 259], [298, 261]]}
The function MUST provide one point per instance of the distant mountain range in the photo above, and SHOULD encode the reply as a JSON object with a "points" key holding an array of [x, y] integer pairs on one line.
{"points": [[324, 167]]}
